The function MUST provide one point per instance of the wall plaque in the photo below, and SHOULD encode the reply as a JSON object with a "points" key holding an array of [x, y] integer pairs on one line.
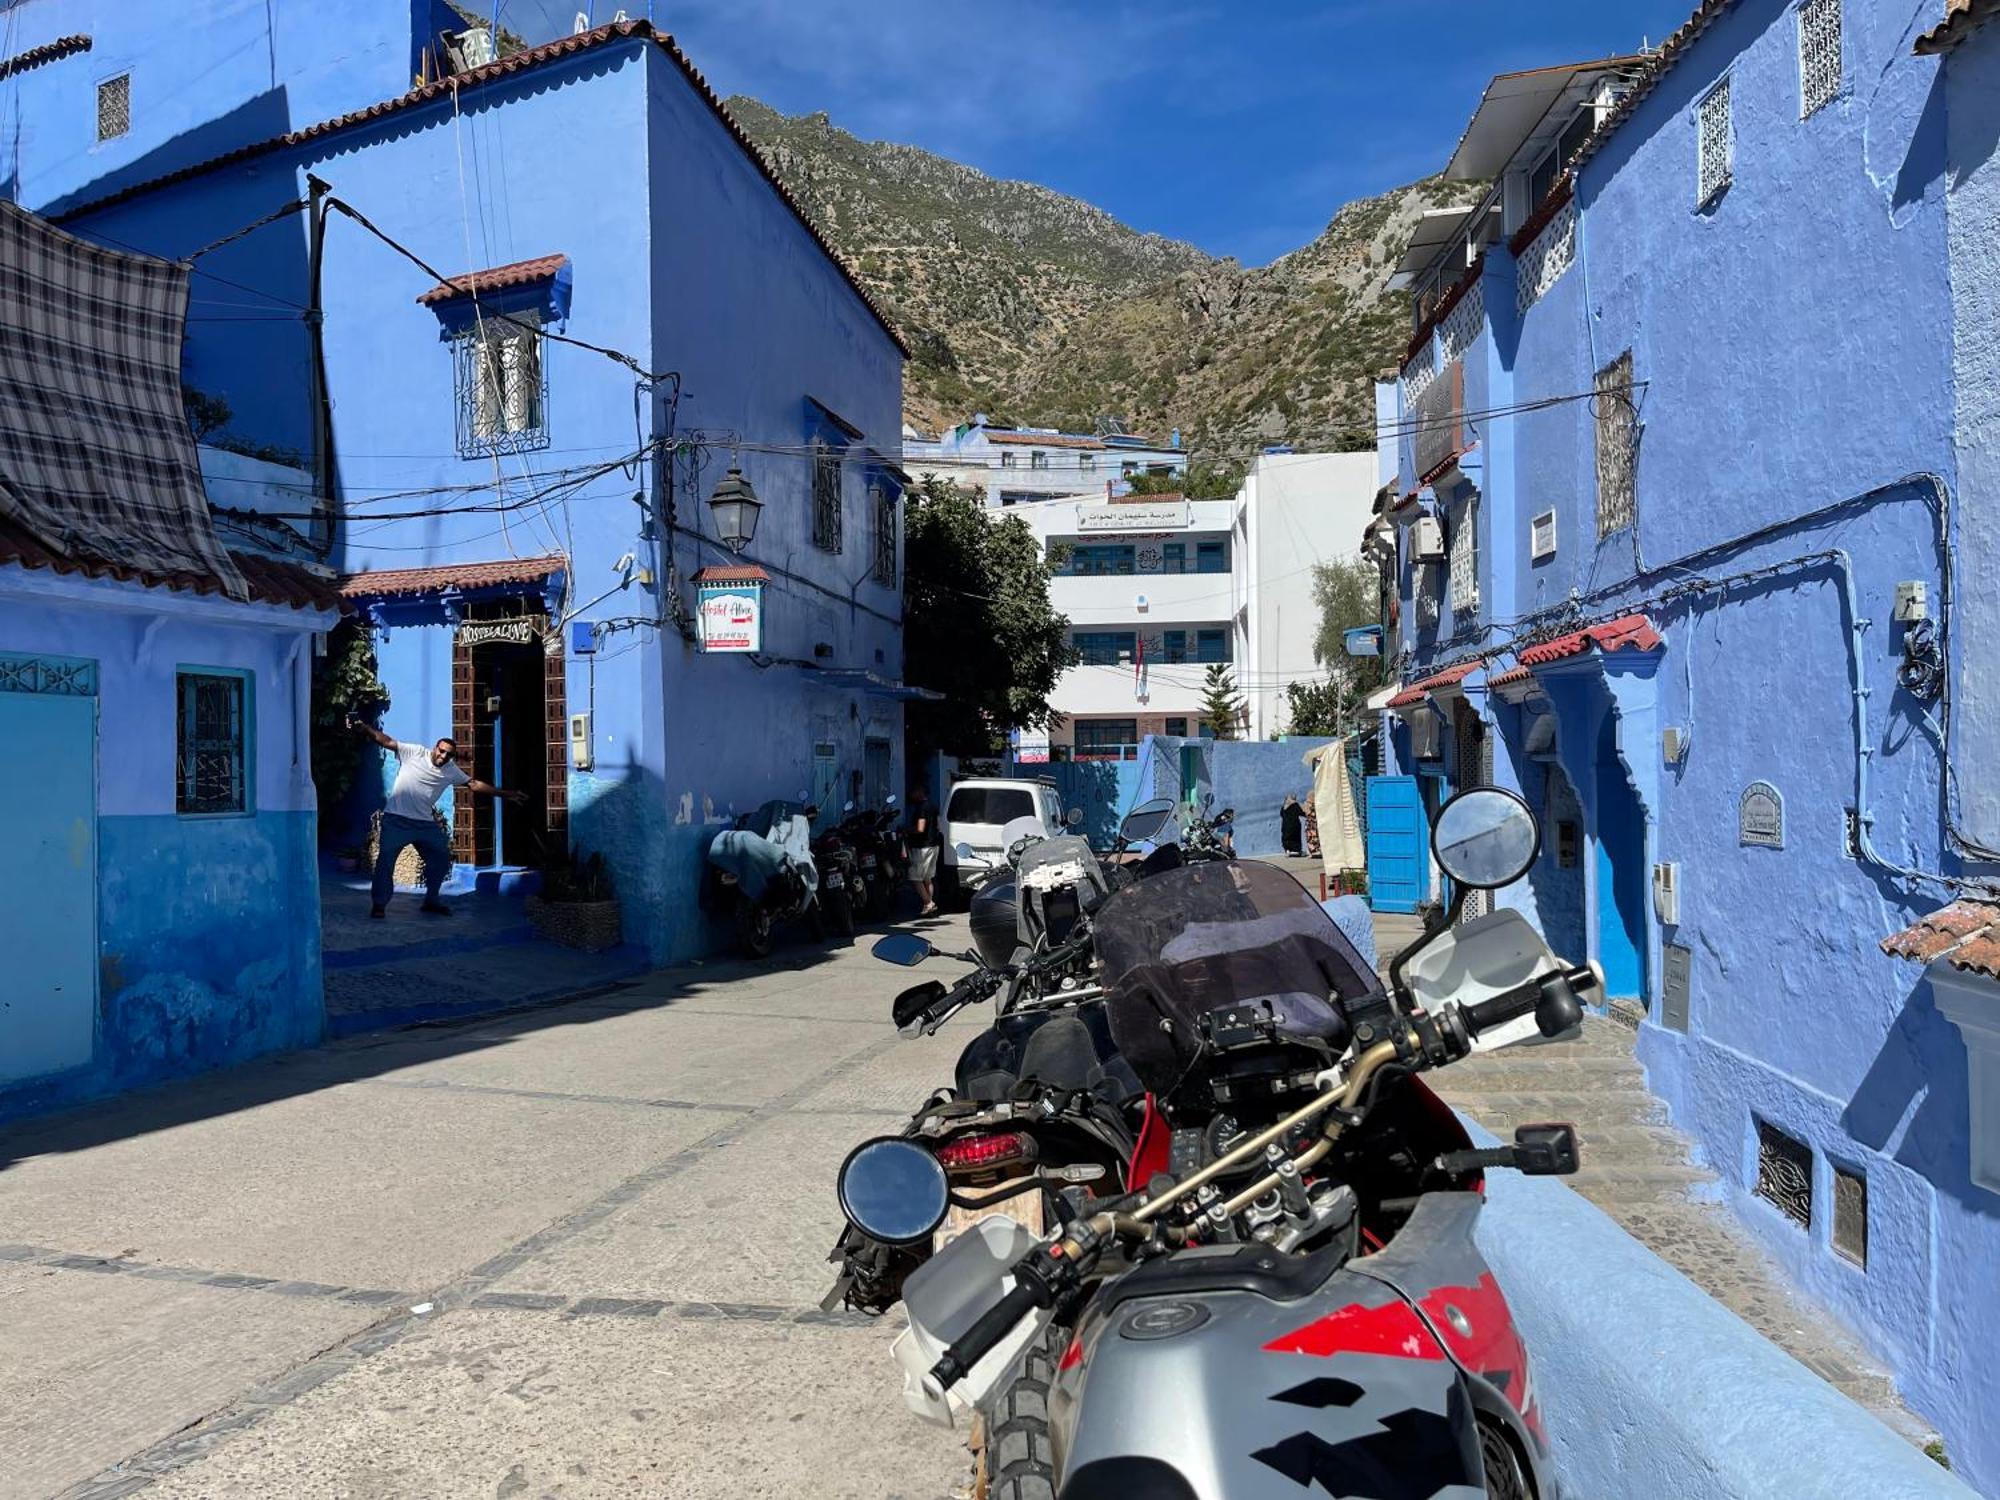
{"points": [[1760, 816], [1676, 980]]}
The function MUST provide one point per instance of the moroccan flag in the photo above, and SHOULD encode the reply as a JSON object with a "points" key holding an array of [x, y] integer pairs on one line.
{"points": [[1139, 665]]}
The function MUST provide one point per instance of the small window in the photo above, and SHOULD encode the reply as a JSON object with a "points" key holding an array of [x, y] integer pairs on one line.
{"points": [[1128, 468], [884, 507], [826, 498], [1010, 460], [212, 758], [1100, 737], [1104, 648], [114, 107], [1617, 447], [1819, 54], [1177, 728], [1211, 645], [1465, 562], [1712, 146], [1038, 460], [502, 386], [1211, 557], [1086, 461], [1785, 1173], [1173, 557], [1173, 647], [1103, 560]]}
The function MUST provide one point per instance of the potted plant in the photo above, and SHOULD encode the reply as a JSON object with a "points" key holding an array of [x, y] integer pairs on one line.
{"points": [[576, 906]]}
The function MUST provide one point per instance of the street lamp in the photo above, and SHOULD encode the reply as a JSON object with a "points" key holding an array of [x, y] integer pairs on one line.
{"points": [[735, 506]]}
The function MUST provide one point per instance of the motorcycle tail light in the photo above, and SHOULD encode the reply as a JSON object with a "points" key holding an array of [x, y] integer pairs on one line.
{"points": [[982, 1149]]}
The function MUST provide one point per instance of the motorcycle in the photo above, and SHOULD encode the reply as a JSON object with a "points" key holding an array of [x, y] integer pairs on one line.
{"points": [[761, 871], [839, 880], [877, 856], [1289, 1293]]}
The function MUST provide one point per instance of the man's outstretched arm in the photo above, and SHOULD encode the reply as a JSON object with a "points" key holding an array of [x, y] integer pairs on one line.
{"points": [[488, 789], [387, 742]]}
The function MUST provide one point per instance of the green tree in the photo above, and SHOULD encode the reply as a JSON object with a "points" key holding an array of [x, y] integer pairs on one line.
{"points": [[977, 623], [344, 682], [1349, 595], [1220, 705], [1202, 481]]}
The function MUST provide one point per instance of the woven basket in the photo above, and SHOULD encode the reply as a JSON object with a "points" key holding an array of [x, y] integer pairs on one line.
{"points": [[591, 926]]}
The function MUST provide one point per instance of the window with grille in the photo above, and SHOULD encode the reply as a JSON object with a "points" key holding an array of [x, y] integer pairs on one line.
{"points": [[826, 497], [885, 535], [1712, 144], [1785, 1173], [1104, 648], [1819, 54], [1465, 563], [1617, 446], [211, 763], [114, 107], [1097, 736], [503, 393]]}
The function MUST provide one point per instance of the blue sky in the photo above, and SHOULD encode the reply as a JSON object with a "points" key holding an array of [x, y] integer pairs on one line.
{"points": [[1240, 127]]}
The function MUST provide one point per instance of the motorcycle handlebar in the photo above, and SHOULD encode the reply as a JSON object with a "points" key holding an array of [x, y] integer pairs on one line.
{"points": [[984, 1336], [1552, 997]]}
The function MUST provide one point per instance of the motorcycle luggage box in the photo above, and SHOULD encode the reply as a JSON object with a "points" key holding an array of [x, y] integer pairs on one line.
{"points": [[994, 919]]}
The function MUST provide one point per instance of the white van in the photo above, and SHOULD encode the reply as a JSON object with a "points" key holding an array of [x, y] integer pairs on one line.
{"points": [[977, 813]]}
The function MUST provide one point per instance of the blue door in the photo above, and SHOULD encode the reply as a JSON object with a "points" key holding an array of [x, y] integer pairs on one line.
{"points": [[48, 877], [1398, 850], [1622, 876]]}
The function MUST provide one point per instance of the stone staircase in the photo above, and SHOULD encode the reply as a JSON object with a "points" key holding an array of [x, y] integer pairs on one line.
{"points": [[1639, 1170]]}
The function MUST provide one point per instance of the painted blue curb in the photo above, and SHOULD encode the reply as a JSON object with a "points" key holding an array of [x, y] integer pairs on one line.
{"points": [[443, 946], [1651, 1387]]}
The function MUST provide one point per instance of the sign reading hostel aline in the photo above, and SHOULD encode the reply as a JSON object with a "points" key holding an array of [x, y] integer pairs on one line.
{"points": [[1760, 816], [729, 609]]}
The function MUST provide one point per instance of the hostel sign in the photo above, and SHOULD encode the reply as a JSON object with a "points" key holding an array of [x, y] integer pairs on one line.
{"points": [[729, 609]]}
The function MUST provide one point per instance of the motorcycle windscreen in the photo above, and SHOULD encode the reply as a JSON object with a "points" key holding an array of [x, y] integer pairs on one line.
{"points": [[1178, 945], [752, 859]]}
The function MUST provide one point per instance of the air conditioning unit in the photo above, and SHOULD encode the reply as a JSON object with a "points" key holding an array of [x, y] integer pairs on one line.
{"points": [[1424, 736], [1426, 540]]}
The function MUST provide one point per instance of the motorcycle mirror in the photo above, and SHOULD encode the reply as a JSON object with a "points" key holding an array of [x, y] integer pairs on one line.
{"points": [[962, 850], [893, 1190], [913, 1002], [905, 949], [890, 800], [1485, 838], [1073, 817], [1146, 820]]}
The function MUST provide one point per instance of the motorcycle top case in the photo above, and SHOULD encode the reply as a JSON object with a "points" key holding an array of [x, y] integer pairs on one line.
{"points": [[1365, 1387]]}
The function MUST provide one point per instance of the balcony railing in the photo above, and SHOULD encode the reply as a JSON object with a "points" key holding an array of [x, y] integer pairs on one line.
{"points": [[1439, 413]]}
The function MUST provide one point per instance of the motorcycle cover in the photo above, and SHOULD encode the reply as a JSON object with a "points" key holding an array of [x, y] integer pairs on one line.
{"points": [[774, 836], [1180, 944]]}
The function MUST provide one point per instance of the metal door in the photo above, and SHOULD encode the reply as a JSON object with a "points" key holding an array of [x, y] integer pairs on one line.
{"points": [[48, 865], [1398, 844]]}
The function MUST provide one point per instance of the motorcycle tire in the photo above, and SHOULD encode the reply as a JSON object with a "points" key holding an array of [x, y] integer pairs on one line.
{"points": [[1016, 1461], [1502, 1465], [753, 929], [840, 913]]}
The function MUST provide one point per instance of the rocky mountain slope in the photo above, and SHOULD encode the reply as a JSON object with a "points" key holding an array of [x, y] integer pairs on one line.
{"points": [[1040, 308]]}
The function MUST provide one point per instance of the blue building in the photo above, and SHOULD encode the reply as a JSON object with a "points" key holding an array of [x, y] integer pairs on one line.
{"points": [[158, 868], [1677, 455], [560, 297]]}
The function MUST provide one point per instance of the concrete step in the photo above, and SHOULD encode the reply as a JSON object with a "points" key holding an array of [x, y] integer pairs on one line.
{"points": [[1501, 1111], [1504, 1075], [1616, 1184]]}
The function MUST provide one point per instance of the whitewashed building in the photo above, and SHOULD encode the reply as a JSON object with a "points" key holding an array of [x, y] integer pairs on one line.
{"points": [[1023, 465]]}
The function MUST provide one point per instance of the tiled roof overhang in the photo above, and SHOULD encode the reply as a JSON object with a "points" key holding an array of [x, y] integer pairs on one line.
{"points": [[1965, 935], [460, 84], [406, 583], [271, 581], [1450, 677]]}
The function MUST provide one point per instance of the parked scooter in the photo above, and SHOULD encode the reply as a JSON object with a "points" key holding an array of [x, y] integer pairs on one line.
{"points": [[871, 834], [1290, 1297], [762, 873], [839, 879]]}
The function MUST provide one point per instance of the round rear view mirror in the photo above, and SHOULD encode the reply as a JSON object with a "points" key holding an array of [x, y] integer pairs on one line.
{"points": [[1146, 821], [963, 850], [906, 949], [1485, 838], [893, 1190]]}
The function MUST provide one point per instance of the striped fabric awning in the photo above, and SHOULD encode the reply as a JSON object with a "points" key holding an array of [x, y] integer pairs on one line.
{"points": [[96, 459]]}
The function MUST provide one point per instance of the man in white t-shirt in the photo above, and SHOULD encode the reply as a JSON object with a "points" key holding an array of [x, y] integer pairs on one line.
{"points": [[410, 815]]}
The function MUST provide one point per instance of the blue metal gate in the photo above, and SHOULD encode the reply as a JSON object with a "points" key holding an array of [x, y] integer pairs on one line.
{"points": [[1398, 858]]}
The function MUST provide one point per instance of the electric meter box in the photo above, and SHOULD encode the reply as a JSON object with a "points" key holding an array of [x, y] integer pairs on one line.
{"points": [[1427, 540]]}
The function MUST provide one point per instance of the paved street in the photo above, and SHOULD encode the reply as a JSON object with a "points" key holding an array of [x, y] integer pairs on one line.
{"points": [[573, 1252]]}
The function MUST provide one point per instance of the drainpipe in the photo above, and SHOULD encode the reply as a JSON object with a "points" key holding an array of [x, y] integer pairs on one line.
{"points": [[320, 535]]}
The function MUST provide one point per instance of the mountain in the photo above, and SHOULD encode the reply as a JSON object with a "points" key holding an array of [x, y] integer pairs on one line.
{"points": [[1042, 309]]}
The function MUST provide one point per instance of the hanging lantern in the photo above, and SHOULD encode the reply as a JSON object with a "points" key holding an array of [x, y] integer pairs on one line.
{"points": [[735, 506]]}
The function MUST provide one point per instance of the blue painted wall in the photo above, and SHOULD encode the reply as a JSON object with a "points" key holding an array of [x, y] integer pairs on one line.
{"points": [[1795, 351], [206, 941], [682, 255]]}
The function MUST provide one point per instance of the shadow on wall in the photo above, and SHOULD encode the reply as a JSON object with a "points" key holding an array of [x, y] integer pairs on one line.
{"points": [[258, 119], [1253, 777]]}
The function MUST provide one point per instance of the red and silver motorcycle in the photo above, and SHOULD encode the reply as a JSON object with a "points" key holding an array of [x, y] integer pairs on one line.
{"points": [[1290, 1301]]}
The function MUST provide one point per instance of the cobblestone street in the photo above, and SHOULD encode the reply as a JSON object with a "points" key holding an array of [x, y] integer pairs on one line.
{"points": [[574, 1252]]}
